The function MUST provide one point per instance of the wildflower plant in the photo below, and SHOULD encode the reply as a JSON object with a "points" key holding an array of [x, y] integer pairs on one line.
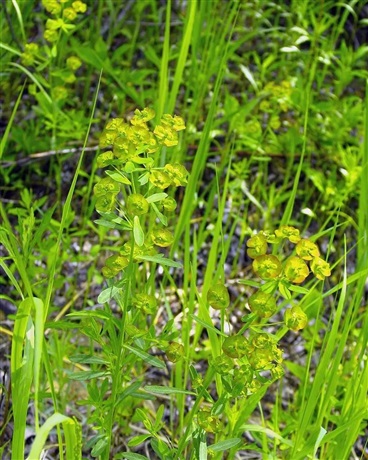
{"points": [[252, 358], [136, 187], [133, 199]]}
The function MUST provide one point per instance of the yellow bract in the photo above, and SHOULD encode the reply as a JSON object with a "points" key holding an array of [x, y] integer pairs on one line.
{"points": [[136, 204], [257, 246], [162, 237], [296, 270], [177, 173], [291, 233], [145, 302], [307, 250], [159, 179], [263, 304], [320, 268], [295, 318], [218, 296], [235, 346], [267, 266]]}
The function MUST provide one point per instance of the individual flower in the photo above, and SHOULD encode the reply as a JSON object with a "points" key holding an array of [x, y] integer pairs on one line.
{"points": [[175, 122], [105, 203], [137, 205], [105, 159], [222, 364], [59, 93], [79, 6], [141, 117], [73, 63], [50, 35], [207, 421], [295, 318], [291, 233], [177, 173], [166, 135], [162, 237], [296, 270], [117, 262], [263, 304], [145, 302], [277, 372], [69, 13], [307, 250], [106, 185], [235, 346], [257, 245], [320, 268], [175, 352], [159, 179], [52, 6], [218, 296], [169, 204], [267, 266]]}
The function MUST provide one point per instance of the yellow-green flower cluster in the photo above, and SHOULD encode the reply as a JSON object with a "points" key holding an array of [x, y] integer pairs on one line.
{"points": [[65, 13], [243, 359], [29, 54], [292, 271], [131, 169], [278, 96]]}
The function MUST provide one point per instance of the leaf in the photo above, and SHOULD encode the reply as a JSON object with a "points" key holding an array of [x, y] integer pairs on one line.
{"points": [[146, 357], [89, 359], [284, 291], [225, 445], [162, 390], [99, 447], [118, 177], [298, 289], [159, 214], [156, 197], [138, 232], [160, 259], [207, 325], [87, 375], [108, 294]]}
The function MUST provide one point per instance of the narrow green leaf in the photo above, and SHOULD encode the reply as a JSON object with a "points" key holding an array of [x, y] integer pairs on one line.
{"points": [[107, 294], [160, 259], [207, 325], [225, 445], [136, 441], [146, 357], [157, 389], [156, 197], [87, 375], [138, 232], [118, 177]]}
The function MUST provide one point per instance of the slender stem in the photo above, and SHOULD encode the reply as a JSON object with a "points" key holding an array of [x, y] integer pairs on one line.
{"points": [[116, 373]]}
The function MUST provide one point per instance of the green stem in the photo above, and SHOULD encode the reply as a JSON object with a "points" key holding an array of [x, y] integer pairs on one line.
{"points": [[116, 373]]}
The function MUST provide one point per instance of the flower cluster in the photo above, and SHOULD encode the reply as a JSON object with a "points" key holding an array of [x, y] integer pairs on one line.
{"points": [[252, 357], [132, 173], [64, 14], [243, 359], [33, 55], [30, 54], [282, 275]]}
